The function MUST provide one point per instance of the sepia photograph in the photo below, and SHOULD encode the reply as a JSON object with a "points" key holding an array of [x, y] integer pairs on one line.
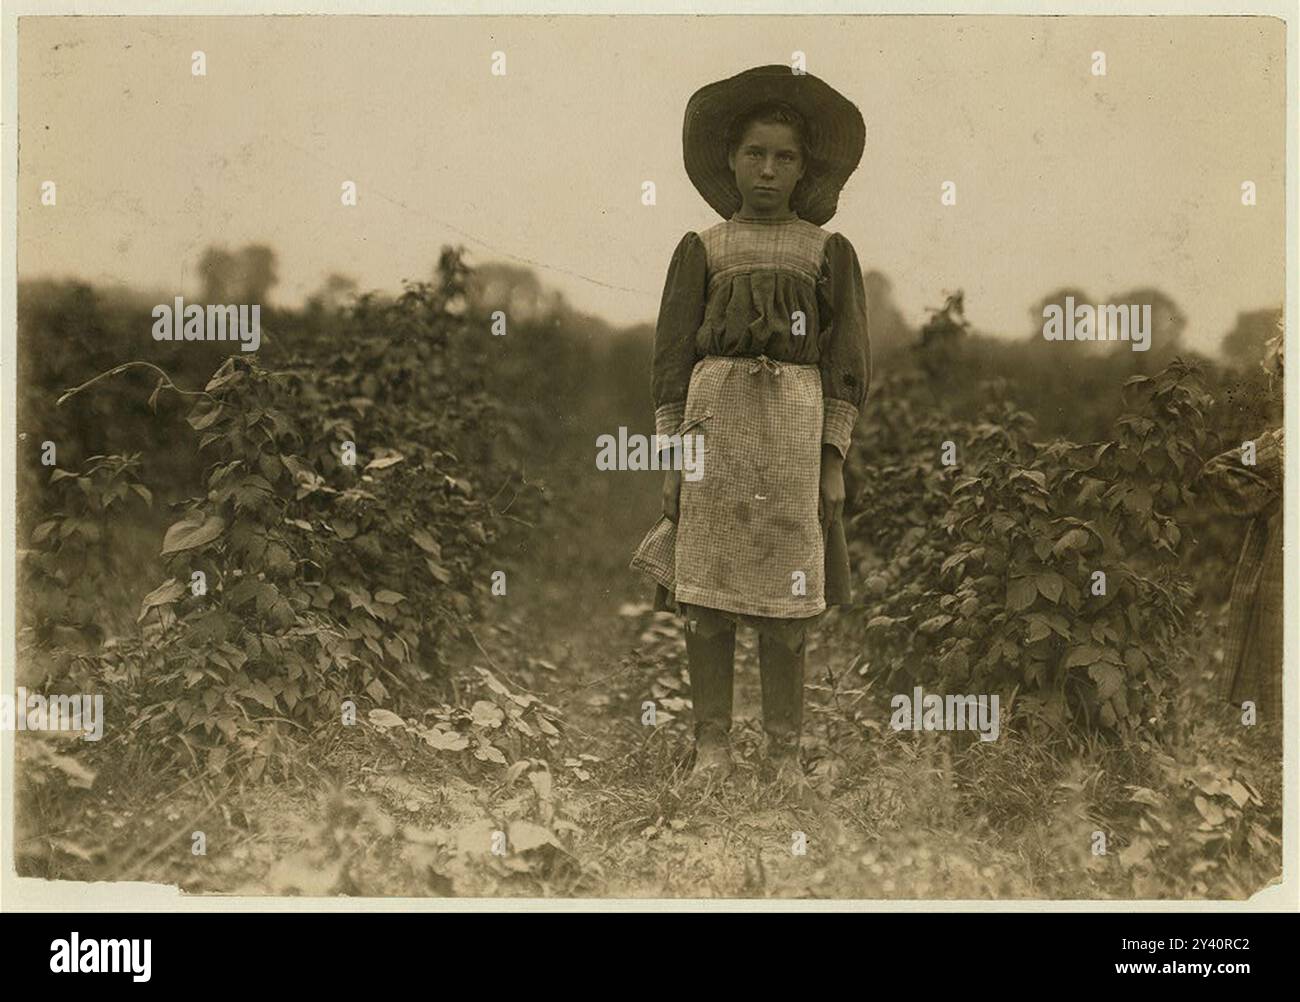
{"points": [[628, 457]]}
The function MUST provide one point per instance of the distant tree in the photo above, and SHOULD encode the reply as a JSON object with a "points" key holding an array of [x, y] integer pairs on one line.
{"points": [[1243, 346], [334, 294], [217, 269], [516, 290], [1056, 298], [257, 274], [452, 276], [246, 276], [942, 350], [887, 327], [947, 322], [1168, 321]]}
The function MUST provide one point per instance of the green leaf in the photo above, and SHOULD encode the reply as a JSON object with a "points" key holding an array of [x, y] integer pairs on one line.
{"points": [[1074, 539], [1002, 522], [196, 529], [243, 591], [445, 740], [486, 752], [934, 624], [384, 719], [224, 374], [385, 461], [524, 836], [42, 531], [1050, 586], [252, 490], [1034, 476], [1021, 594], [956, 663], [487, 714], [1109, 679], [1142, 795], [954, 561], [259, 691], [204, 415], [1138, 500], [426, 542], [360, 599], [1085, 654], [1136, 659], [1038, 630], [165, 594], [1059, 624], [1209, 811], [1238, 793], [1134, 853]]}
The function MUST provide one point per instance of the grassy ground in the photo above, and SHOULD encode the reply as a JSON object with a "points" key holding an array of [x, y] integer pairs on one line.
{"points": [[893, 815]]}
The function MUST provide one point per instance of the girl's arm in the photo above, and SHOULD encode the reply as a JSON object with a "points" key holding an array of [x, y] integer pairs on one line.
{"points": [[681, 311], [845, 350], [1246, 491]]}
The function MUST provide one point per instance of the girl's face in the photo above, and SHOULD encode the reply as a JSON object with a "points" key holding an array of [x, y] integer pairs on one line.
{"points": [[767, 164]]}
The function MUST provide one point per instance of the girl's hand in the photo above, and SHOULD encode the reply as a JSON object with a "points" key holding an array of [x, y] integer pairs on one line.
{"points": [[672, 494], [831, 503]]}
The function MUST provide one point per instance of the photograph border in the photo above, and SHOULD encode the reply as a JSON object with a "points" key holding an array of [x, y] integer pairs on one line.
{"points": [[31, 894]]}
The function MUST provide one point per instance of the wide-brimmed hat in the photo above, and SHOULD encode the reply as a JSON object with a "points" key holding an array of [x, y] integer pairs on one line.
{"points": [[837, 135]]}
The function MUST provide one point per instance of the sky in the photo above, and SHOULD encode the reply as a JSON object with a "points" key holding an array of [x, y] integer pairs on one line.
{"points": [[1106, 183]]}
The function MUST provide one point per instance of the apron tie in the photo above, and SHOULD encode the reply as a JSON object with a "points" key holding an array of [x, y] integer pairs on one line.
{"points": [[763, 362]]}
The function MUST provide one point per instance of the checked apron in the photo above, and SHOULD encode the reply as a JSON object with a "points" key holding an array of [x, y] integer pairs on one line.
{"points": [[748, 538]]}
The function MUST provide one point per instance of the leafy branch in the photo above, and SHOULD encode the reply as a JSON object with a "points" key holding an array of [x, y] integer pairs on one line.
{"points": [[164, 383]]}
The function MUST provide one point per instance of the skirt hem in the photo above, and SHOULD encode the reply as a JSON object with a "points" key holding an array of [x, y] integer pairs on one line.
{"points": [[725, 602]]}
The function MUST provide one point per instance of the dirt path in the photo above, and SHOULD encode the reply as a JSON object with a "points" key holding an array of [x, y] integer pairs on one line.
{"points": [[604, 655]]}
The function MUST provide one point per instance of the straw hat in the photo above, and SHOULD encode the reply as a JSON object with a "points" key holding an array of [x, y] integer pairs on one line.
{"points": [[837, 137]]}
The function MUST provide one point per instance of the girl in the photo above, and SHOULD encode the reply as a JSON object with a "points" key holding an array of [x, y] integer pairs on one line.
{"points": [[1252, 662], [761, 351]]}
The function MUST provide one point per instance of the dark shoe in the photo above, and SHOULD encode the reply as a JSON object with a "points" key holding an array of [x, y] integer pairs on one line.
{"points": [[713, 763], [787, 771]]}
